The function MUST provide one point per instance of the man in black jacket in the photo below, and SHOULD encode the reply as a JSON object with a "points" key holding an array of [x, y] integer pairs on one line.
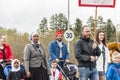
{"points": [[86, 53]]}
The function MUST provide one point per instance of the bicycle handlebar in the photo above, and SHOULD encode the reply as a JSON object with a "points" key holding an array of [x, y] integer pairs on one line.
{"points": [[5, 61]]}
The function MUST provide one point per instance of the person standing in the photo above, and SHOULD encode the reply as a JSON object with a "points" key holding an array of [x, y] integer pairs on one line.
{"points": [[86, 51], [5, 50], [58, 50], [104, 58], [36, 66], [5, 55]]}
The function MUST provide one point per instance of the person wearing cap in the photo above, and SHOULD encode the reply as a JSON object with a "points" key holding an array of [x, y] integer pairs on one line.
{"points": [[36, 66], [58, 50]]}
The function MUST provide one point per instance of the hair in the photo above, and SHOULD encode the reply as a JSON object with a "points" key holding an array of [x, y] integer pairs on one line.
{"points": [[54, 61], [1, 35], [97, 37], [83, 27], [115, 53]]}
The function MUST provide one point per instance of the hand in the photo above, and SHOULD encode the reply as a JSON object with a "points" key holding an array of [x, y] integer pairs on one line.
{"points": [[1, 60], [94, 46], [57, 60], [67, 60], [11, 60], [92, 58], [28, 74]]}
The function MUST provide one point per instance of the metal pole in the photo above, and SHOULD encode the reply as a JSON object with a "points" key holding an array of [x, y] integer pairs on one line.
{"points": [[68, 22], [68, 13]]}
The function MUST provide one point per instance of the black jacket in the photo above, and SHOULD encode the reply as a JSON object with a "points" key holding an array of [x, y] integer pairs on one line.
{"points": [[15, 75], [83, 50]]}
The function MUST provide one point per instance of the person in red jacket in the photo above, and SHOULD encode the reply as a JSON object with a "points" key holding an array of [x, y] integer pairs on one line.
{"points": [[5, 50], [5, 54]]}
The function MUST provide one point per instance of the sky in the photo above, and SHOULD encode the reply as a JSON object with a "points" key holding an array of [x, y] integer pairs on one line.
{"points": [[26, 15]]}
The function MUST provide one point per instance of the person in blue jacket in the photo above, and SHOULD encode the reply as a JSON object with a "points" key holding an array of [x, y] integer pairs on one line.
{"points": [[58, 50], [113, 72]]}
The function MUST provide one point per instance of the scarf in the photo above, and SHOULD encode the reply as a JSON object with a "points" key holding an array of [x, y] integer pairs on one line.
{"points": [[13, 68], [60, 45]]}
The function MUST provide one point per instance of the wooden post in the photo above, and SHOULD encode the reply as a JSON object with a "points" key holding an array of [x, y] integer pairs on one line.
{"points": [[117, 31], [95, 24]]}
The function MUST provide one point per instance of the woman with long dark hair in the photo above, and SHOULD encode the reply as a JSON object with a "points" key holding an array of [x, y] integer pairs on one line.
{"points": [[104, 58]]}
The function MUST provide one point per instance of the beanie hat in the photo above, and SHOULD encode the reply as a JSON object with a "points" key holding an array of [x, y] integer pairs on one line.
{"points": [[58, 32], [113, 47]]}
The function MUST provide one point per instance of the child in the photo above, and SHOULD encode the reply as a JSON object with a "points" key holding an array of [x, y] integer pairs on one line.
{"points": [[15, 73], [55, 74], [113, 72], [23, 70]]}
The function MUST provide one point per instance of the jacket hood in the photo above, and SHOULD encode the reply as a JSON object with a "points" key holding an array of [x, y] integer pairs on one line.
{"points": [[115, 65]]}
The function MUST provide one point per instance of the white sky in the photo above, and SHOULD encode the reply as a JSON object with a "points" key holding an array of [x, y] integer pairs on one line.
{"points": [[25, 15]]}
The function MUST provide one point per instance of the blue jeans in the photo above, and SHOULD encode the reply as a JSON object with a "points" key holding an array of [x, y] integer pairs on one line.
{"points": [[87, 73]]}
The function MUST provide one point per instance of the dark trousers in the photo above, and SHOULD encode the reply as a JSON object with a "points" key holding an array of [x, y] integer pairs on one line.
{"points": [[26, 78], [2, 75], [39, 73]]}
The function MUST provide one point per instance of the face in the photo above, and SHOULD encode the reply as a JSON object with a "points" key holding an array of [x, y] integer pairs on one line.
{"points": [[35, 38], [101, 36], [2, 39], [119, 57], [59, 37], [16, 64], [116, 58], [86, 32], [54, 65]]}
